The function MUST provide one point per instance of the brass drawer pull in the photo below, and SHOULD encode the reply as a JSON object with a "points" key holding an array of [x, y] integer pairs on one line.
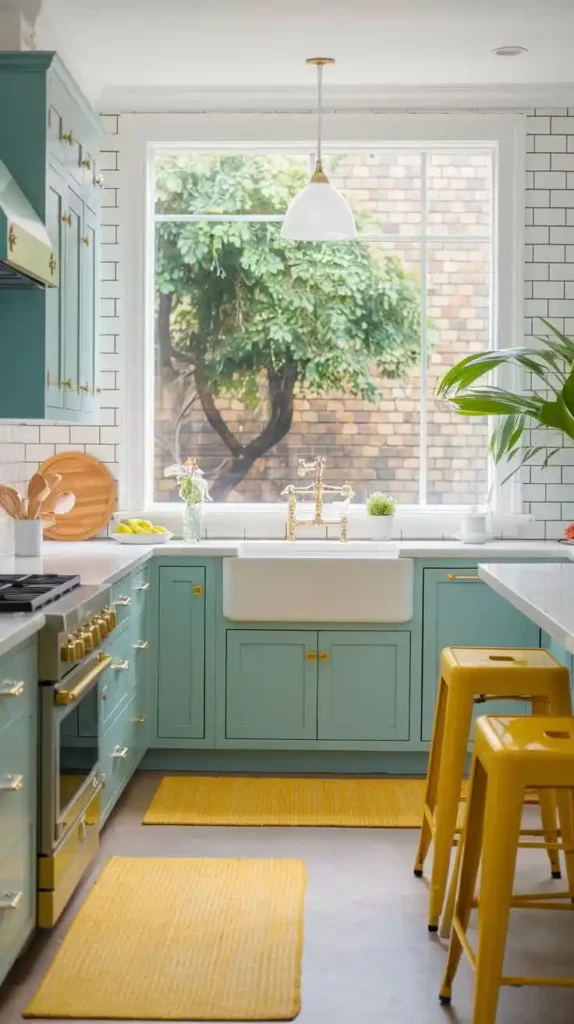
{"points": [[311, 655], [66, 384], [11, 782], [67, 219], [10, 900], [87, 163], [86, 239], [142, 586], [197, 591], [140, 719], [120, 753], [141, 645], [123, 602], [99, 181], [12, 238], [84, 387], [453, 576], [120, 666], [52, 264], [67, 137], [69, 696], [12, 689], [104, 693]]}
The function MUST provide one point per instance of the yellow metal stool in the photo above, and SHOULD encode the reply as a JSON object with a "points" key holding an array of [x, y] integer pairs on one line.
{"points": [[470, 675], [511, 755]]}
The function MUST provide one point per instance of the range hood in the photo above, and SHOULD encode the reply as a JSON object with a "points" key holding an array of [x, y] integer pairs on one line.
{"points": [[27, 259]]}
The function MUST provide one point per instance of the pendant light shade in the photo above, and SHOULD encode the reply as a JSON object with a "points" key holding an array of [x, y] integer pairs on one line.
{"points": [[319, 213]]}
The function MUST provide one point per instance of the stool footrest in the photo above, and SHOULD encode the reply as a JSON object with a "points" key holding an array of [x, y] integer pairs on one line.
{"points": [[537, 982]]}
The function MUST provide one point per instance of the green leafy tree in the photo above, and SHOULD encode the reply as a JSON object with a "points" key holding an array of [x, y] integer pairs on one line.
{"points": [[245, 313]]}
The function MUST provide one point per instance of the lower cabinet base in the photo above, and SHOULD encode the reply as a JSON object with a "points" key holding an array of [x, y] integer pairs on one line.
{"points": [[316, 761]]}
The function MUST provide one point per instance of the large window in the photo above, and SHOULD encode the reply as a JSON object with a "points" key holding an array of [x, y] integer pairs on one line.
{"points": [[268, 351]]}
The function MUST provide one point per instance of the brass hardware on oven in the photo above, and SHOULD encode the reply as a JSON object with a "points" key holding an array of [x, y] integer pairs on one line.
{"points": [[68, 651], [69, 696], [99, 181], [120, 666], [67, 137], [142, 586], [141, 645], [123, 602], [454, 576], [67, 219], [111, 618], [87, 640], [197, 591], [52, 264], [82, 830], [120, 752], [12, 689], [11, 782], [10, 900], [12, 238], [311, 655], [80, 648], [87, 163]]}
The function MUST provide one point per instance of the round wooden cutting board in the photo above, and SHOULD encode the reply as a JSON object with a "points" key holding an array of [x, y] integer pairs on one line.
{"points": [[95, 490]]}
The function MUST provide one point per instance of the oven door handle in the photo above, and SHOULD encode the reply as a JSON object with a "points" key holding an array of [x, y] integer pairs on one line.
{"points": [[103, 661]]}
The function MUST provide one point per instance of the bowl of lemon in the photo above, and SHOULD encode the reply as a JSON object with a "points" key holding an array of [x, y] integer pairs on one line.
{"points": [[140, 531]]}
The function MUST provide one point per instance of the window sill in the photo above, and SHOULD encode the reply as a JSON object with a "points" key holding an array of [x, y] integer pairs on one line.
{"points": [[269, 522]]}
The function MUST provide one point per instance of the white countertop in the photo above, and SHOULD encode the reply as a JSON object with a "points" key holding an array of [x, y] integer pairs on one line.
{"points": [[102, 562], [543, 592]]}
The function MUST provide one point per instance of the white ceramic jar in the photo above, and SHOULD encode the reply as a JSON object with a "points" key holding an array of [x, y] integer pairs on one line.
{"points": [[27, 538]]}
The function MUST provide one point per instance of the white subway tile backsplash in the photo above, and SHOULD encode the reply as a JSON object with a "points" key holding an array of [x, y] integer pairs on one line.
{"points": [[39, 452], [103, 452], [84, 435], [54, 435]]}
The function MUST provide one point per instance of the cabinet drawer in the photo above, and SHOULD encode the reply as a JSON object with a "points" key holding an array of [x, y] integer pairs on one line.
{"points": [[17, 897], [121, 751], [117, 681], [18, 684], [17, 780]]}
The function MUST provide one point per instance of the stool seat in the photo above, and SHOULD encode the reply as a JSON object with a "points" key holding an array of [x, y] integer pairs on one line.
{"points": [[469, 676], [510, 755]]}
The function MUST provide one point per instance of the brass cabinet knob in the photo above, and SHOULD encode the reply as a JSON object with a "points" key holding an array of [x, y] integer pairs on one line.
{"points": [[197, 591], [323, 656], [67, 137], [67, 219], [87, 163], [311, 655], [52, 264], [85, 239]]}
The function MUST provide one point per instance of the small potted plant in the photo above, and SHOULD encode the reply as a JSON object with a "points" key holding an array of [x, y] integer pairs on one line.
{"points": [[194, 491], [381, 508]]}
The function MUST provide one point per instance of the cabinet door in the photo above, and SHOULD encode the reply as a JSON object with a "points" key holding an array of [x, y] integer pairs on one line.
{"points": [[72, 286], [181, 683], [271, 684], [364, 685], [55, 203], [89, 307], [465, 612]]}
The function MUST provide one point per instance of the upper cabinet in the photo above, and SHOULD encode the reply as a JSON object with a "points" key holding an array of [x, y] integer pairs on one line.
{"points": [[50, 141]]}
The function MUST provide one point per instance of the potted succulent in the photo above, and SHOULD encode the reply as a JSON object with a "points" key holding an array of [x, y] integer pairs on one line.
{"points": [[381, 508]]}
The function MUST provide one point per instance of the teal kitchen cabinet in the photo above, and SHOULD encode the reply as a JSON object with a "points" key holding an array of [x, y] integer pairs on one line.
{"points": [[560, 653], [18, 744], [181, 694], [364, 685], [271, 687], [49, 137], [460, 610]]}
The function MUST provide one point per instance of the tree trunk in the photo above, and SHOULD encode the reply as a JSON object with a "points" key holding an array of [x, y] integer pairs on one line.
{"points": [[162, 331], [243, 457]]}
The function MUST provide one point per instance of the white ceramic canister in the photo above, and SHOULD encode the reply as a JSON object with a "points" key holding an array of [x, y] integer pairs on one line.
{"points": [[474, 527], [382, 527], [27, 537]]}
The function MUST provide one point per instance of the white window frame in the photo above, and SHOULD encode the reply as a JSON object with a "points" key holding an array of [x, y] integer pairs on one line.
{"points": [[141, 135]]}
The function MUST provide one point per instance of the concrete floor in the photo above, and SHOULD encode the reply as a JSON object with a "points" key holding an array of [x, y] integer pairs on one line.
{"points": [[368, 956]]}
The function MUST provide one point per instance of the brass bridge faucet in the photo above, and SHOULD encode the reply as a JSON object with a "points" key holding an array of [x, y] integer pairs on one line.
{"points": [[317, 489]]}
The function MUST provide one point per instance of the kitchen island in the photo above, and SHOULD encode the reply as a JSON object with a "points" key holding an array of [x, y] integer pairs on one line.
{"points": [[543, 591]]}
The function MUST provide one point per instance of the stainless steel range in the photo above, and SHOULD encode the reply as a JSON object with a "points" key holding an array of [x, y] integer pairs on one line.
{"points": [[71, 662]]}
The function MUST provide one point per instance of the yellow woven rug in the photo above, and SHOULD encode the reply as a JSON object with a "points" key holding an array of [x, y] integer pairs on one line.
{"points": [[182, 939], [345, 803]]}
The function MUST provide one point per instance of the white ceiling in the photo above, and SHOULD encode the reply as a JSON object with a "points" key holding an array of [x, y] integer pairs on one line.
{"points": [[122, 49]]}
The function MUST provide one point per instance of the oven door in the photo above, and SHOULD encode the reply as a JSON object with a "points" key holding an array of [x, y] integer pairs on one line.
{"points": [[70, 750]]}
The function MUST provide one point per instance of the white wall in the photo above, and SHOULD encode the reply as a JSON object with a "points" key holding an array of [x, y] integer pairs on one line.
{"points": [[549, 291]]}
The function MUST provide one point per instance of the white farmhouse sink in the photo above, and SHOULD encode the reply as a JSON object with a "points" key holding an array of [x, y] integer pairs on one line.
{"points": [[314, 581]]}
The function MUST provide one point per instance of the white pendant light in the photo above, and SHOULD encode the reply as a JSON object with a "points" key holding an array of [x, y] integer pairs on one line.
{"points": [[319, 213]]}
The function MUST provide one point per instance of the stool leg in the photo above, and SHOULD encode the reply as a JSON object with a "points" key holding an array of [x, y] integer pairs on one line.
{"points": [[547, 801], [446, 923], [432, 776], [559, 705], [502, 819], [457, 729], [565, 801], [470, 851]]}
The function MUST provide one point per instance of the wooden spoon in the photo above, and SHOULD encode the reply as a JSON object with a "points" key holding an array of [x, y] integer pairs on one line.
{"points": [[10, 501], [38, 491], [47, 520], [64, 503]]}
